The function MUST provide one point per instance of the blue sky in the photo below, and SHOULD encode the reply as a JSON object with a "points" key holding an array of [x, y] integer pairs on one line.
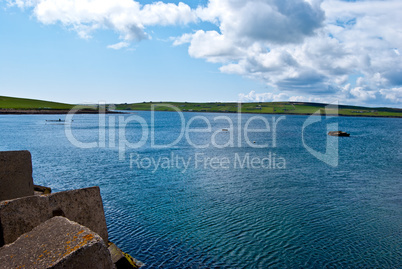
{"points": [[80, 51]]}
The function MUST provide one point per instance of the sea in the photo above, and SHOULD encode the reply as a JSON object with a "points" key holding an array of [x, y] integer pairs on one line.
{"points": [[226, 190]]}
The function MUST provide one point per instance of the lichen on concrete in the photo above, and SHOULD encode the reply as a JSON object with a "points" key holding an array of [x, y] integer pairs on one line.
{"points": [[57, 243]]}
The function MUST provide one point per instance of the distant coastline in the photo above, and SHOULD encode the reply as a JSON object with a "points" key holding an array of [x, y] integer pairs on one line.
{"points": [[265, 113], [23, 106], [64, 112], [273, 108], [52, 111]]}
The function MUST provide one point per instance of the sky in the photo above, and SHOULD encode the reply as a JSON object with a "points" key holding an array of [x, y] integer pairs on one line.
{"points": [[124, 51]]}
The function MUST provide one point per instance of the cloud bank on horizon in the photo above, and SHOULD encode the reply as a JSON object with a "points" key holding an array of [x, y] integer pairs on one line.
{"points": [[303, 50]]}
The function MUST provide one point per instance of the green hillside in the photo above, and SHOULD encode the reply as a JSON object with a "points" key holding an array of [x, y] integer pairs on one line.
{"points": [[26, 104], [296, 108], [266, 108]]}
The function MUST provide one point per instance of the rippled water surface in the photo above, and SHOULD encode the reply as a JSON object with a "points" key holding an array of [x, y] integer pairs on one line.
{"points": [[298, 212]]}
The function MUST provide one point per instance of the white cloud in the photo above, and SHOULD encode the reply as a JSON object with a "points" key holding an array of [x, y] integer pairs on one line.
{"points": [[212, 46], [263, 20], [306, 49], [252, 96], [394, 95], [159, 13], [119, 45], [126, 17], [362, 94], [310, 99], [305, 53]]}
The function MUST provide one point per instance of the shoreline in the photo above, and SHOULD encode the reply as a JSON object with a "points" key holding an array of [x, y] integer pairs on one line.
{"points": [[52, 112], [65, 111], [263, 113]]}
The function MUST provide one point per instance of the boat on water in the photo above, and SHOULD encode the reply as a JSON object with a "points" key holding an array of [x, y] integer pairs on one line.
{"points": [[59, 121], [338, 133]]}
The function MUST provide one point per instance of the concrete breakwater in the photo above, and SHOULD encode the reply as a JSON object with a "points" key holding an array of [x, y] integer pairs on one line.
{"points": [[55, 230]]}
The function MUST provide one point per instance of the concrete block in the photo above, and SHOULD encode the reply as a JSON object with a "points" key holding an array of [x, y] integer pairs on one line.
{"points": [[15, 174], [57, 243], [83, 206], [21, 215]]}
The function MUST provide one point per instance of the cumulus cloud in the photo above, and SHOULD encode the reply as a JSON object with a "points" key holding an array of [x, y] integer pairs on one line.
{"points": [[119, 45], [278, 21], [126, 17], [394, 95], [213, 47], [305, 49], [252, 96]]}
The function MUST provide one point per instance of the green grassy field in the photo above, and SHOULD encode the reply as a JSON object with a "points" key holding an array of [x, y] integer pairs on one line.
{"points": [[266, 108], [261, 107], [27, 104]]}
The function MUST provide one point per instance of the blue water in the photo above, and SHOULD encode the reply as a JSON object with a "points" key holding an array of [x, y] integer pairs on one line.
{"points": [[299, 213]]}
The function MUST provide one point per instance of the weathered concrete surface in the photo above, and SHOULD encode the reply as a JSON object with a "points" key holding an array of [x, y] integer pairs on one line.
{"points": [[57, 243], [83, 206], [21, 215], [15, 174]]}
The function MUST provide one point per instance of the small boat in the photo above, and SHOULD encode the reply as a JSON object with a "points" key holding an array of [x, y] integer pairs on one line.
{"points": [[338, 133], [225, 130], [58, 122]]}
